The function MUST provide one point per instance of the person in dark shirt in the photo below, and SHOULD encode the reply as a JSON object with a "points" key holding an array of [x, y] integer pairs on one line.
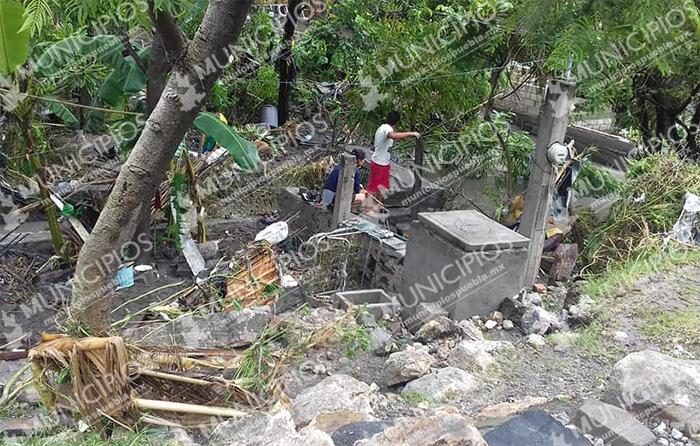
{"points": [[331, 184]]}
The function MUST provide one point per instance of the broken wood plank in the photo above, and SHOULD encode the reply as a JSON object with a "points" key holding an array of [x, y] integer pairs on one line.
{"points": [[74, 222]]}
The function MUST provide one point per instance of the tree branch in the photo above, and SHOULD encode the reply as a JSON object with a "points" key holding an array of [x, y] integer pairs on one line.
{"points": [[171, 37], [130, 50]]}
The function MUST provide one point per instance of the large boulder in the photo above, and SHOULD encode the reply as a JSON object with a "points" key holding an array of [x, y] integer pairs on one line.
{"points": [[617, 426], [263, 429], [350, 433], [534, 428], [216, 330], [408, 364], [652, 382], [441, 429], [443, 384], [329, 422], [471, 356], [337, 392]]}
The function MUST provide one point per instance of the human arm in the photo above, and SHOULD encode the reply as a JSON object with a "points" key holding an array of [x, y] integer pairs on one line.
{"points": [[397, 136], [358, 181]]}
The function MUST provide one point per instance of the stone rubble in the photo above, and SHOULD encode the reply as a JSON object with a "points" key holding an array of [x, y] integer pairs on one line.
{"points": [[337, 392], [444, 384], [411, 363]]}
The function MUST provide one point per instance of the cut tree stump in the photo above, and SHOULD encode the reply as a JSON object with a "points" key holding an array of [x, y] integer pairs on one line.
{"points": [[564, 260]]}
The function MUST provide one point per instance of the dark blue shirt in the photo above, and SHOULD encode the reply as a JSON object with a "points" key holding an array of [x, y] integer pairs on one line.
{"points": [[332, 180]]}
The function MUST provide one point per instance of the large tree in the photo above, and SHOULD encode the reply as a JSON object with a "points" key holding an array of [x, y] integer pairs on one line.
{"points": [[191, 80]]}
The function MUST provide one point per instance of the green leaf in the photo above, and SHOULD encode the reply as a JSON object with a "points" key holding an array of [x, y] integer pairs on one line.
{"points": [[38, 14], [62, 112], [106, 50], [242, 151], [14, 43], [126, 79]]}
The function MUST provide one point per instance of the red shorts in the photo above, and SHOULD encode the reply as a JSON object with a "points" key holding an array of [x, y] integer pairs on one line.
{"points": [[378, 177]]}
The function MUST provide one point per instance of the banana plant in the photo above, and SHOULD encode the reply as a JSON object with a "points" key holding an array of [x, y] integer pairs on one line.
{"points": [[243, 152], [14, 41]]}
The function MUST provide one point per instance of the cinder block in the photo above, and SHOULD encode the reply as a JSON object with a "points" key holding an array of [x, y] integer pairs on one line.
{"points": [[377, 301]]}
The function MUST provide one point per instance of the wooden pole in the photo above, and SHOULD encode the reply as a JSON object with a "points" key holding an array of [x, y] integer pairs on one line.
{"points": [[345, 191], [168, 406], [538, 198]]}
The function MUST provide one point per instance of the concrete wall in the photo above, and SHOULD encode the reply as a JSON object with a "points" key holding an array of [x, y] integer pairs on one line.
{"points": [[526, 104], [310, 219]]}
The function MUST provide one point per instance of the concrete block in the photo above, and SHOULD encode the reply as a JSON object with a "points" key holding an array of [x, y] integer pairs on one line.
{"points": [[463, 261], [377, 301], [615, 426]]}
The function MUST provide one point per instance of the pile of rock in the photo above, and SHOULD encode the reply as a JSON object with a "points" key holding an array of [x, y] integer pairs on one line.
{"points": [[495, 321], [652, 399], [527, 312], [340, 411]]}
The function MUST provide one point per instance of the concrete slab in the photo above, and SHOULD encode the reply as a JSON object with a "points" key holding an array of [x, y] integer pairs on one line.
{"points": [[615, 426], [472, 230]]}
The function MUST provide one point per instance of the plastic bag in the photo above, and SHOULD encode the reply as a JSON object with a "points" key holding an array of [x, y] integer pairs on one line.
{"points": [[687, 228]]}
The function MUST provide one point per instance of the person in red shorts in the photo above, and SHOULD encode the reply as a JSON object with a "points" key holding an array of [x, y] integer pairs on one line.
{"points": [[380, 166]]}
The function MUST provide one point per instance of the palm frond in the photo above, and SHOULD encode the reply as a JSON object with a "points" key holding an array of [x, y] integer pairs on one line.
{"points": [[37, 15]]}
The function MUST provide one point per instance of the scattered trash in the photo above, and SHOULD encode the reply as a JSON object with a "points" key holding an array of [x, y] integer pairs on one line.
{"points": [[687, 228], [125, 276], [288, 281], [640, 199], [273, 234], [192, 255], [143, 268]]}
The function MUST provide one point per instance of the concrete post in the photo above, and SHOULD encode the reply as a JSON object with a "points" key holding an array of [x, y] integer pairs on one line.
{"points": [[345, 191], [553, 121], [417, 175]]}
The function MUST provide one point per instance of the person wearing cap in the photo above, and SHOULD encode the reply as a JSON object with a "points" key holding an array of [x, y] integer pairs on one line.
{"points": [[331, 184], [380, 167]]}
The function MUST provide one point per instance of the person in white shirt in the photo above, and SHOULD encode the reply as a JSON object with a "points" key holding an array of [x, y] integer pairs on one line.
{"points": [[380, 166]]}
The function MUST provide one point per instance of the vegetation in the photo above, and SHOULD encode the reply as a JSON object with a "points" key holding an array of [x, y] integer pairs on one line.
{"points": [[647, 207]]}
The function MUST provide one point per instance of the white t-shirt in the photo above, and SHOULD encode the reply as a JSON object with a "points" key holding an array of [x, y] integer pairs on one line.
{"points": [[382, 145]]}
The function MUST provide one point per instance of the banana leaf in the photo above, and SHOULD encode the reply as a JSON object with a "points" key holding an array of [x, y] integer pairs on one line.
{"points": [[243, 152], [106, 50], [62, 112], [126, 79], [14, 45]]}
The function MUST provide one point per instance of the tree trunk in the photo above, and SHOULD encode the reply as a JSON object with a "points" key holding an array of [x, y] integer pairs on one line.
{"points": [[285, 62], [158, 68], [143, 171]]}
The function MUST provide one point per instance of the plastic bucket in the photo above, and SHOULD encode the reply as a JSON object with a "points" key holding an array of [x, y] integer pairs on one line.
{"points": [[125, 277], [268, 115]]}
